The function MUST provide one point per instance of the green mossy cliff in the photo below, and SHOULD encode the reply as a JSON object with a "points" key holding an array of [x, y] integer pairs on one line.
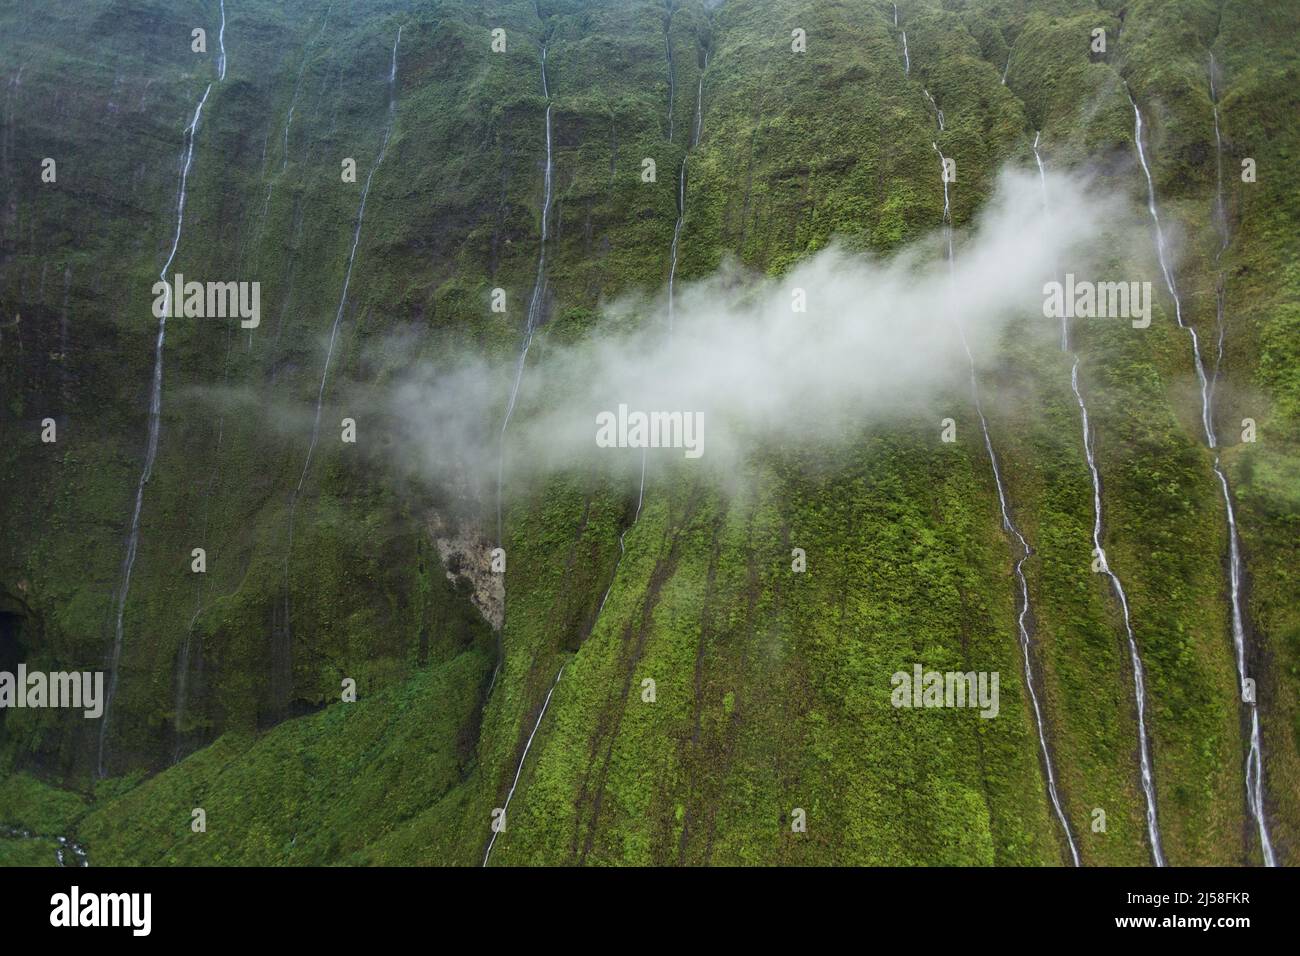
{"points": [[771, 687]]}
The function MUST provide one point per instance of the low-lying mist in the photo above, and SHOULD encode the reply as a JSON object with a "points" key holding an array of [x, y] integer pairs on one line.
{"points": [[876, 338]]}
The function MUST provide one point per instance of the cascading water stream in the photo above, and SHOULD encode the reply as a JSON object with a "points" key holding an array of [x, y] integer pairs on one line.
{"points": [[221, 42], [535, 304], [293, 105], [1010, 527], [1254, 757], [184, 657], [681, 196], [151, 449], [520, 769], [535, 308], [907, 60], [1166, 271], [699, 96], [672, 277], [938, 113], [640, 498], [1135, 660], [63, 846], [672, 79], [183, 661], [338, 316], [1221, 224], [681, 207]]}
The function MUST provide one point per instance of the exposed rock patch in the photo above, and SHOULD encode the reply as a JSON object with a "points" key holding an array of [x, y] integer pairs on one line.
{"points": [[467, 556]]}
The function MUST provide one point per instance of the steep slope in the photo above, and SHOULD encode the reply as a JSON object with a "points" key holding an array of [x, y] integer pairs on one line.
{"points": [[771, 687]]}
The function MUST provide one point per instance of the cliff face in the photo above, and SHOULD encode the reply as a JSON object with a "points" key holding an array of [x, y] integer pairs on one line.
{"points": [[329, 560]]}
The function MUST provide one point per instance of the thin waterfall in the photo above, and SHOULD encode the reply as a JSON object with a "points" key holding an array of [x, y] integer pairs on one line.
{"points": [[151, 450], [1254, 757], [681, 195], [520, 769], [1220, 224], [938, 113], [1135, 659], [1025, 551], [293, 105], [1236, 571], [183, 661], [1167, 272], [672, 276], [907, 60], [1042, 183], [535, 305], [677, 233], [338, 316], [535, 309], [672, 80], [699, 95], [640, 498], [221, 42]]}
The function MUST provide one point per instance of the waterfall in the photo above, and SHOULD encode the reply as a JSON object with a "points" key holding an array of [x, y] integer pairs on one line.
{"points": [[699, 95], [151, 450], [1166, 271], [672, 80], [640, 498], [938, 113], [1220, 224], [183, 661], [681, 196], [1025, 551], [1139, 682], [535, 309], [1042, 183], [1135, 659], [906, 59], [1254, 757], [293, 105], [338, 315], [524, 756], [677, 233], [221, 41], [535, 305], [672, 280]]}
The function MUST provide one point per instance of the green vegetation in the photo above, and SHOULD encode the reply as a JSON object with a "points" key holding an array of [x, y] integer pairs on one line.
{"points": [[771, 688]]}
